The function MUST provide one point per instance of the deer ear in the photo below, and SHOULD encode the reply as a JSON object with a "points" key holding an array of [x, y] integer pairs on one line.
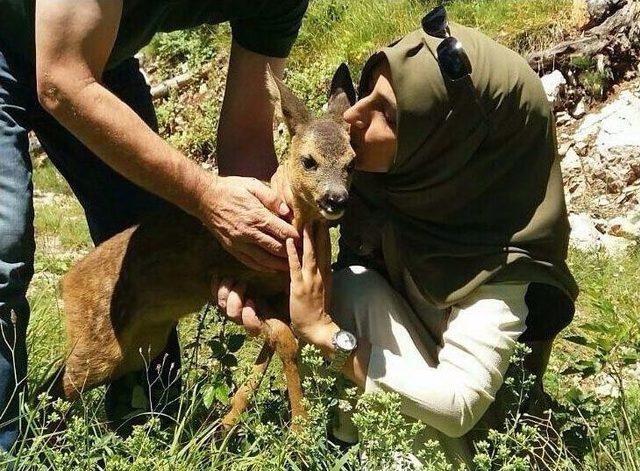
{"points": [[286, 104], [342, 95]]}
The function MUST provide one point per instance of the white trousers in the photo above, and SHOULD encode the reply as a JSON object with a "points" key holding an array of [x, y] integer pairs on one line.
{"points": [[447, 366]]}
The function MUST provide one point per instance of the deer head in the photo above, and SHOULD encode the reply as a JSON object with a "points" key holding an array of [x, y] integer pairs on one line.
{"points": [[320, 160]]}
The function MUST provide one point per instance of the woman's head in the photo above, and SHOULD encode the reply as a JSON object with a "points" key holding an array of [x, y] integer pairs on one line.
{"points": [[372, 122]]}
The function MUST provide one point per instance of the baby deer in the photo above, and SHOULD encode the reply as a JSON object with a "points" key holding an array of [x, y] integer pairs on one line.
{"points": [[125, 296]]}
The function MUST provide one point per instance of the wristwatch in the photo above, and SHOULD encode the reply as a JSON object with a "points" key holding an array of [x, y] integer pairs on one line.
{"points": [[344, 343]]}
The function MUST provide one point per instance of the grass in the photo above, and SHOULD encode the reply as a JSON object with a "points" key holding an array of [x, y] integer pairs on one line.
{"points": [[333, 31], [593, 375]]}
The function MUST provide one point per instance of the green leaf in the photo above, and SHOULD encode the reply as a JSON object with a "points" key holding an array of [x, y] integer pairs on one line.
{"points": [[585, 368], [598, 328], [215, 392], [630, 358], [208, 395], [222, 393], [218, 349], [229, 360], [342, 462], [235, 342], [579, 340]]}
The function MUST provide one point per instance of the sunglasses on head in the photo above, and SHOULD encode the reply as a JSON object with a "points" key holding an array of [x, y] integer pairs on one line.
{"points": [[452, 58]]}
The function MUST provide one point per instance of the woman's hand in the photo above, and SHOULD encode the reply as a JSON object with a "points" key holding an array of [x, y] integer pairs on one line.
{"points": [[311, 285]]}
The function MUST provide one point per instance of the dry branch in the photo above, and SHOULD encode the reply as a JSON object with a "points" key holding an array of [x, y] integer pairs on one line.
{"points": [[162, 90], [617, 37]]}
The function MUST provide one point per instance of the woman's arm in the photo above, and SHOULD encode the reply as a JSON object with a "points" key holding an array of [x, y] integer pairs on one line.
{"points": [[450, 392], [478, 343]]}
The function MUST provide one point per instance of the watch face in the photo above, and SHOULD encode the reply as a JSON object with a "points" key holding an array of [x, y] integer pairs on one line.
{"points": [[345, 340]]}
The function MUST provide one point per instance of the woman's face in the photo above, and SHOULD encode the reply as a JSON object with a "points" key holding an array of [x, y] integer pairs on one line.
{"points": [[372, 123]]}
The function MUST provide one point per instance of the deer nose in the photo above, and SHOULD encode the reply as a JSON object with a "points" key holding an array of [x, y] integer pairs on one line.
{"points": [[334, 203]]}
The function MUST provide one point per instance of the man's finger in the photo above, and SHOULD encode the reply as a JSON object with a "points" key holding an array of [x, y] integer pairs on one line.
{"points": [[295, 270], [250, 319], [277, 227], [309, 262], [235, 303], [268, 197], [266, 261], [224, 288], [280, 183], [267, 242]]}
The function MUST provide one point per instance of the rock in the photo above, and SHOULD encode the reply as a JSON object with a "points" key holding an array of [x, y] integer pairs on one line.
{"points": [[564, 148], [616, 127], [616, 246], [627, 227], [607, 387], [571, 161], [562, 118], [580, 110], [554, 84], [599, 9], [585, 236]]}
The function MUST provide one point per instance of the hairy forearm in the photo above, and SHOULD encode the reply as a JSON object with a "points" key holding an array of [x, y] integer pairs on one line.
{"points": [[114, 132], [245, 132]]}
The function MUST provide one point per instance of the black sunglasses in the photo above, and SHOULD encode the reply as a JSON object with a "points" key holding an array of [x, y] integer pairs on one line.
{"points": [[452, 57]]}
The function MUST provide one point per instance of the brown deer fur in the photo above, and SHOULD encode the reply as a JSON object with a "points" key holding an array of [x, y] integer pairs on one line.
{"points": [[123, 298]]}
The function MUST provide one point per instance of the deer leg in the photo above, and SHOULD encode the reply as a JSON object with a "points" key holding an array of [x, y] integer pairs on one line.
{"points": [[279, 338], [240, 400], [286, 346]]}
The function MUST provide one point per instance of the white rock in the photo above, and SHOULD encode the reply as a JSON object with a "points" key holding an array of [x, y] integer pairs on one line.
{"points": [[580, 110], [564, 148], [581, 147], [571, 161], [616, 246], [584, 235], [607, 387], [553, 84], [616, 127], [562, 118], [627, 227]]}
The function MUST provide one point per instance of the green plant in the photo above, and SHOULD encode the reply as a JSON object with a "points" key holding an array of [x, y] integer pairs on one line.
{"points": [[589, 427]]}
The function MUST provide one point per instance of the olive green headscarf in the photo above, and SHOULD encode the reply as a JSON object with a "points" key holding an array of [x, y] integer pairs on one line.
{"points": [[475, 191]]}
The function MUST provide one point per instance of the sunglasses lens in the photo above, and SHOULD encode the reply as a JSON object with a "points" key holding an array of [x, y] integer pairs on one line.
{"points": [[453, 59], [434, 23]]}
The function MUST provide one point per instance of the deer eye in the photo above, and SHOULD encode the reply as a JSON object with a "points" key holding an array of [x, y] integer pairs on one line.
{"points": [[309, 163]]}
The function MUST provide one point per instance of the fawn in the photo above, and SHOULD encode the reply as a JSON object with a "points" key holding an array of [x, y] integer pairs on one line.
{"points": [[125, 296]]}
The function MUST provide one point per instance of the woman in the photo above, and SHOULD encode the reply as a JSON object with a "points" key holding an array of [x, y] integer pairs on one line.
{"points": [[454, 248]]}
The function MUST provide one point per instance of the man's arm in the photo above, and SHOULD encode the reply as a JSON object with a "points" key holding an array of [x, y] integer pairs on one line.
{"points": [[73, 43], [245, 132]]}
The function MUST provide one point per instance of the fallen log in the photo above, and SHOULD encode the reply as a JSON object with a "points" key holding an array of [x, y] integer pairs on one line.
{"points": [[162, 90], [617, 37]]}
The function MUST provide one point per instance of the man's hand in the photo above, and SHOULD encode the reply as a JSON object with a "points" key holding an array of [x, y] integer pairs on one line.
{"points": [[280, 184], [230, 297], [241, 212]]}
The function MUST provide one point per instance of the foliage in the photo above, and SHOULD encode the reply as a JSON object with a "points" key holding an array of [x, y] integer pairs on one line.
{"points": [[593, 379]]}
